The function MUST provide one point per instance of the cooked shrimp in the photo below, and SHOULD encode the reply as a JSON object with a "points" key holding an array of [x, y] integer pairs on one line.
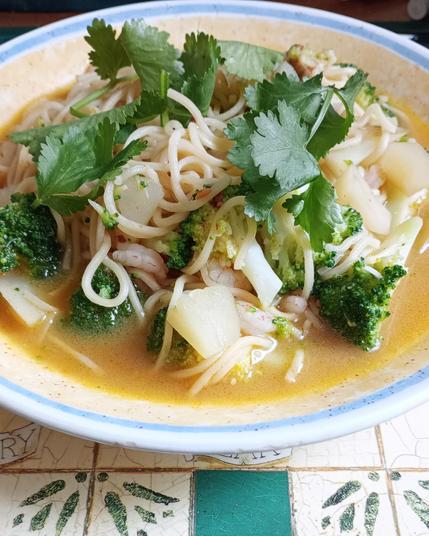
{"points": [[138, 256]]}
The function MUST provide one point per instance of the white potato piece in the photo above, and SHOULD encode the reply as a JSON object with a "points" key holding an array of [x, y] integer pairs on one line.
{"points": [[339, 160], [353, 190], [260, 274], [11, 288], [139, 198], [207, 318], [406, 165], [398, 244]]}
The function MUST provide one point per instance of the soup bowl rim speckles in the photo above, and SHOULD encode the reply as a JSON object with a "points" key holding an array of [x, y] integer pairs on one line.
{"points": [[198, 434]]}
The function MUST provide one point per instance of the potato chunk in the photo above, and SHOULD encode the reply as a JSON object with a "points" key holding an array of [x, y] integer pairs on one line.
{"points": [[139, 198], [407, 166], [353, 190], [207, 318], [338, 160]]}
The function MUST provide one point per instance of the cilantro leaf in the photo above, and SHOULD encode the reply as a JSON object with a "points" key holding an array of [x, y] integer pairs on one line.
{"points": [[150, 106], [316, 211], [305, 97], [34, 137], [334, 127], [79, 157], [149, 52], [107, 54], [112, 168], [278, 148], [239, 129], [249, 61], [200, 58]]}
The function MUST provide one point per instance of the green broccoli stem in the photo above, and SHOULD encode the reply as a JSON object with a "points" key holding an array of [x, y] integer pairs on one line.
{"points": [[77, 107]]}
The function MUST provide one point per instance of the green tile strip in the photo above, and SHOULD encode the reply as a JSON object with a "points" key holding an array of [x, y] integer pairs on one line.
{"points": [[244, 503]]}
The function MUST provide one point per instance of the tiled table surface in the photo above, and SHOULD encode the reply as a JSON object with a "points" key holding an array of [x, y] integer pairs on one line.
{"points": [[372, 483]]}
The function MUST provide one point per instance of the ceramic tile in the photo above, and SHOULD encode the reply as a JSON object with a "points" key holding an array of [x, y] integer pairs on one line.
{"points": [[156, 504], [46, 503], [354, 450], [330, 503], [59, 451], [18, 437], [411, 495], [406, 439], [238, 502], [118, 458]]}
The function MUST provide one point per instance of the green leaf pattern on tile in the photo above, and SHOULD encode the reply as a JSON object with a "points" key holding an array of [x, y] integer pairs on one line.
{"points": [[372, 506], [147, 517], [38, 520], [342, 493], [47, 491], [418, 506], [118, 512], [424, 484], [346, 521], [137, 490], [81, 476], [326, 521], [394, 475], [347, 518], [17, 520], [66, 512]]}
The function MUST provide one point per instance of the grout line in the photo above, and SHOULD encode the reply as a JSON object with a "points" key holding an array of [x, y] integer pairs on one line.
{"points": [[192, 517], [91, 487], [308, 469], [293, 525], [390, 493]]}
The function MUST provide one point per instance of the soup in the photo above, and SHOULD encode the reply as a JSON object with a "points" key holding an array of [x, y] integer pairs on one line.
{"points": [[225, 231]]}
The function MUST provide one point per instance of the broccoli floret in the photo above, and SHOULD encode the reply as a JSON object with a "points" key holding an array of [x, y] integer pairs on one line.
{"points": [[29, 235], [190, 238], [156, 332], [356, 303], [282, 325], [283, 250], [352, 224], [235, 189], [88, 317], [181, 352], [110, 221]]}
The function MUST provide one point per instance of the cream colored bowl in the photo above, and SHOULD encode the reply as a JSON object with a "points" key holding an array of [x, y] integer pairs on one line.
{"points": [[48, 59]]}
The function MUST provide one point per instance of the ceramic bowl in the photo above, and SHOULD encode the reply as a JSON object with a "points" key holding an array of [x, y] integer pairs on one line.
{"points": [[49, 58]]}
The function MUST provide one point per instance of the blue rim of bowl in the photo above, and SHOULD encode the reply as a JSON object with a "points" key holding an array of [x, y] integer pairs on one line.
{"points": [[167, 9]]}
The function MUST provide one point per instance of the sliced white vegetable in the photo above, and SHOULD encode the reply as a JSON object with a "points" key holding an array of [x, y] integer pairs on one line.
{"points": [[139, 198], [397, 246], [262, 277], [14, 289], [406, 165], [398, 205], [353, 190], [207, 318], [339, 160]]}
